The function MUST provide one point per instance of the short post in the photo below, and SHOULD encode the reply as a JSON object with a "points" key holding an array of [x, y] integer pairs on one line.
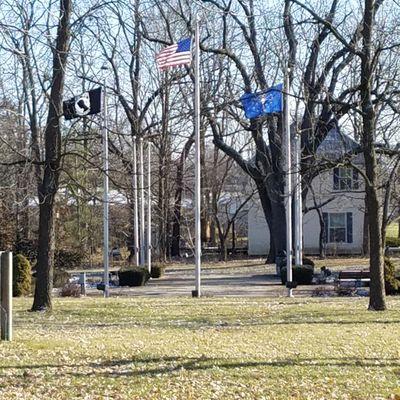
{"points": [[82, 281], [6, 268]]}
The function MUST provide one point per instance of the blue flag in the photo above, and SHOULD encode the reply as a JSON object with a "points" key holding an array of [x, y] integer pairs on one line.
{"points": [[261, 103]]}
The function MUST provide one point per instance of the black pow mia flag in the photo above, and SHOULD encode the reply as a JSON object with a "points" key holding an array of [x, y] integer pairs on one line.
{"points": [[88, 103]]}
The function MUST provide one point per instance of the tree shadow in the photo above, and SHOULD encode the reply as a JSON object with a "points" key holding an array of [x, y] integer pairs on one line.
{"points": [[176, 363]]}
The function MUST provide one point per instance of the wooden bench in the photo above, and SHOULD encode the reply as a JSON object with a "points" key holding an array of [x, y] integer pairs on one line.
{"points": [[353, 278]]}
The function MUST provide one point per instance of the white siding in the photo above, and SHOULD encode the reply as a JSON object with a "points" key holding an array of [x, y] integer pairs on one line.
{"points": [[343, 202]]}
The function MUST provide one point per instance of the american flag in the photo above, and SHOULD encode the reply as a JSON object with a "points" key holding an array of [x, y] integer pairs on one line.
{"points": [[177, 54]]}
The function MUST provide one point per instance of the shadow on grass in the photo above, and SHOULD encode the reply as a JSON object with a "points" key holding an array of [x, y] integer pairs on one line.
{"points": [[219, 321], [134, 367]]}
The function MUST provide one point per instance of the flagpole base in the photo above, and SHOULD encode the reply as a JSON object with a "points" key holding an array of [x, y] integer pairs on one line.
{"points": [[195, 293]]}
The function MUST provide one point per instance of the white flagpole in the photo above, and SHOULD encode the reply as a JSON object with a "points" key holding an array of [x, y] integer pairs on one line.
{"points": [[135, 204], [296, 174], [298, 205], [105, 197], [288, 186], [141, 211], [197, 292], [149, 206]]}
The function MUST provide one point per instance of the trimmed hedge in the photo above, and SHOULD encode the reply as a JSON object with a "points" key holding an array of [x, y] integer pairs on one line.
{"points": [[302, 274], [392, 284], [308, 261], [157, 270], [22, 276], [135, 276]]}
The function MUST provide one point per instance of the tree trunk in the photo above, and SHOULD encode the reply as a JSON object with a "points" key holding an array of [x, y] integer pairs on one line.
{"points": [[233, 237], [377, 285], [49, 185], [322, 236], [275, 221], [366, 233], [176, 223]]}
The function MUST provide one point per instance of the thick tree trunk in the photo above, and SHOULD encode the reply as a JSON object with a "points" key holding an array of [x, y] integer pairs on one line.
{"points": [[377, 285], [49, 185], [274, 213], [45, 257]]}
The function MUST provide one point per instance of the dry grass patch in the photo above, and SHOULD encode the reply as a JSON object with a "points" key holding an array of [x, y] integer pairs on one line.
{"points": [[208, 348]]}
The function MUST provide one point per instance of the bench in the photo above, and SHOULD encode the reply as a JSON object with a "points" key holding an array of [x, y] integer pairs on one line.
{"points": [[353, 278]]}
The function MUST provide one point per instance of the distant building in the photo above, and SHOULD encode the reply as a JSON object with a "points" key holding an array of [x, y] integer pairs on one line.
{"points": [[343, 214]]}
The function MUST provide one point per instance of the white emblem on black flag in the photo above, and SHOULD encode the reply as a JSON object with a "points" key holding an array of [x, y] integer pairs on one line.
{"points": [[88, 103], [82, 105]]}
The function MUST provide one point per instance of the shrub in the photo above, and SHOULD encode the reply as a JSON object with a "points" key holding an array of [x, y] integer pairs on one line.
{"points": [[71, 290], [22, 276], [392, 242], [135, 276], [392, 284], [302, 274], [308, 261], [157, 270], [66, 259], [281, 261], [60, 278]]}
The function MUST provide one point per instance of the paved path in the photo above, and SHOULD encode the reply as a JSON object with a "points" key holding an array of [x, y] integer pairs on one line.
{"points": [[252, 279]]}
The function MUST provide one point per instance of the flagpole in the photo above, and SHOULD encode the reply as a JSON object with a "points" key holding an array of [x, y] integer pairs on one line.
{"points": [[149, 206], [105, 196], [288, 187], [298, 203], [141, 210], [197, 291], [135, 203]]}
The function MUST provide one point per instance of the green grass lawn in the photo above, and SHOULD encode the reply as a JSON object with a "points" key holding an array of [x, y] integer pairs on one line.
{"points": [[392, 230], [142, 348]]}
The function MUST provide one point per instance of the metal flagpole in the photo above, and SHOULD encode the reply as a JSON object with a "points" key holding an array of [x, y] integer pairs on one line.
{"points": [[105, 196], [135, 204], [141, 210], [298, 206], [296, 174], [197, 291], [288, 188], [149, 206]]}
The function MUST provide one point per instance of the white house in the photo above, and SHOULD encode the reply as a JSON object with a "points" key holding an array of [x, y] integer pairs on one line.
{"points": [[341, 193]]}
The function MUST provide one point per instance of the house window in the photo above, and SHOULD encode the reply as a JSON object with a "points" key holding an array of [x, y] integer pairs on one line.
{"points": [[338, 227], [345, 178]]}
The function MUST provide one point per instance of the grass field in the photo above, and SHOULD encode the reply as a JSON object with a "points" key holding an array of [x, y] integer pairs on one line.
{"points": [[393, 230], [206, 348]]}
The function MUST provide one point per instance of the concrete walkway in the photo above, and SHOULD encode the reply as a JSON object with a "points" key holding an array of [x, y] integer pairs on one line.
{"points": [[233, 279]]}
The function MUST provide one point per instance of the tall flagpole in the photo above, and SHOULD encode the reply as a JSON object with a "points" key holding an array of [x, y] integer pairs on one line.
{"points": [[141, 210], [197, 291], [135, 204], [105, 197], [298, 202], [288, 188], [149, 206]]}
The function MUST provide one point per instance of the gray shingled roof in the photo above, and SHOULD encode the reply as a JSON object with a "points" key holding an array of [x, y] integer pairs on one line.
{"points": [[336, 144]]}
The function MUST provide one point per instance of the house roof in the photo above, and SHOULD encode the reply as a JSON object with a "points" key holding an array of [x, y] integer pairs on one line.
{"points": [[336, 144]]}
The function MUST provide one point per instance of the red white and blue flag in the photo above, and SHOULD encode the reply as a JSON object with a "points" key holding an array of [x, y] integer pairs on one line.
{"points": [[175, 55]]}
